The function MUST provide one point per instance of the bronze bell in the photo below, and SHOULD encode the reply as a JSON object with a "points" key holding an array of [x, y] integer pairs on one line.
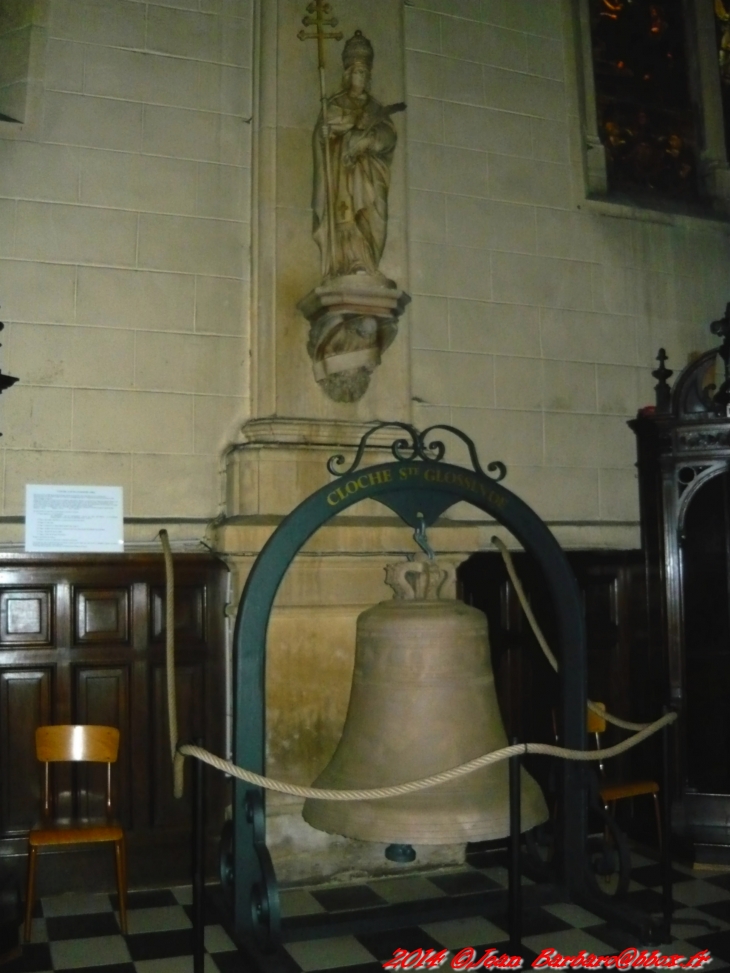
{"points": [[422, 701]]}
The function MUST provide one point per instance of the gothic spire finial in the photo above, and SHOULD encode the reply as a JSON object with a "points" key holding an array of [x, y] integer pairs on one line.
{"points": [[662, 388]]}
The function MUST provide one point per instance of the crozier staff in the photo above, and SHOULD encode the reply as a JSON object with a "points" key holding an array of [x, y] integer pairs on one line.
{"points": [[358, 134]]}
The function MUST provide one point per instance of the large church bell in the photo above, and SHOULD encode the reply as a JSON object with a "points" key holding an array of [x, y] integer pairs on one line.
{"points": [[422, 701]]}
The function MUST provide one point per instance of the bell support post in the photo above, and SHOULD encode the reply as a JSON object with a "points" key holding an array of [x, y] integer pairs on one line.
{"points": [[418, 487]]}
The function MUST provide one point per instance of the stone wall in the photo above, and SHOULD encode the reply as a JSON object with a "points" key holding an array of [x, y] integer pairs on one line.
{"points": [[124, 227], [537, 313]]}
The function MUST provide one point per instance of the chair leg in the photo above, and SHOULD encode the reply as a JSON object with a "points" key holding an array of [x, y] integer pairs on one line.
{"points": [[120, 856], [30, 893], [658, 814]]}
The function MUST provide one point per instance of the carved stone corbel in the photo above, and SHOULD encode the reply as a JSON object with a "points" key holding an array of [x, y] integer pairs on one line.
{"points": [[352, 319]]}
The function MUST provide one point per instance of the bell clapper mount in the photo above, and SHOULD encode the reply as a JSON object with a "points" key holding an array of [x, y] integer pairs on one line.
{"points": [[421, 538]]}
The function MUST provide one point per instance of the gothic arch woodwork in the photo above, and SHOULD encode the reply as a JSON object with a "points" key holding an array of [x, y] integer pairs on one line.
{"points": [[683, 446]]}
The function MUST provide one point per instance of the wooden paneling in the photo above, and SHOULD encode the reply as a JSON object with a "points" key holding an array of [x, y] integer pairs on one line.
{"points": [[102, 697], [166, 809], [25, 703], [613, 587], [82, 639], [101, 615], [25, 617], [189, 613]]}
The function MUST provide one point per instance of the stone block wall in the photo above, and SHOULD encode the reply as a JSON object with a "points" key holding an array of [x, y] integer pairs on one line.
{"points": [[17, 26], [537, 313], [124, 228]]}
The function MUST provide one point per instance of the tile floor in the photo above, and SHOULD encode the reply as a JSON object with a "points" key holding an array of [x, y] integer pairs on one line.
{"points": [[80, 932]]}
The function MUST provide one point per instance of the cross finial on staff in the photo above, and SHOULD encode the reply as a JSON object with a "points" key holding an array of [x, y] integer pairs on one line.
{"points": [[319, 17]]}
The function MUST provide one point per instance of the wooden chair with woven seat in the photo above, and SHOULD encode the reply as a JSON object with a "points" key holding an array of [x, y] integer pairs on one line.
{"points": [[96, 744], [612, 791]]}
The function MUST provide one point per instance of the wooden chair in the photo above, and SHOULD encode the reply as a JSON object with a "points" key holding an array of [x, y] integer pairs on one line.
{"points": [[97, 744], [610, 791]]}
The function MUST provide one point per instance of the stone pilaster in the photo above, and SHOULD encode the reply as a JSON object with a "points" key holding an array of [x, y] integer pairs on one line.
{"points": [[294, 427]]}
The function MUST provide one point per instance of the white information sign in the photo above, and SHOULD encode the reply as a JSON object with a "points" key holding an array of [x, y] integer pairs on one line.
{"points": [[73, 518]]}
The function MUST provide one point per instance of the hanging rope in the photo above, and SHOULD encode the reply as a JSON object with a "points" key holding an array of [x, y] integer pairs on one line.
{"points": [[537, 631], [178, 761]]}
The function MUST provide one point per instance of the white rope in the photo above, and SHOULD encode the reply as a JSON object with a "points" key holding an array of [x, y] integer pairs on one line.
{"points": [[177, 760], [542, 642], [395, 790]]}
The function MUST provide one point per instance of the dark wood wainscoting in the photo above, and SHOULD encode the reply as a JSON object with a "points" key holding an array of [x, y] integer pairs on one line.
{"points": [[622, 671], [82, 640]]}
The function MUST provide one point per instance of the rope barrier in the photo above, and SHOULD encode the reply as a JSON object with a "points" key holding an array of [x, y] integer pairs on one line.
{"points": [[395, 790], [179, 752]]}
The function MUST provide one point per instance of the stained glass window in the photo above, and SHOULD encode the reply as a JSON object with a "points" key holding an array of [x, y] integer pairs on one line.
{"points": [[722, 22], [646, 114]]}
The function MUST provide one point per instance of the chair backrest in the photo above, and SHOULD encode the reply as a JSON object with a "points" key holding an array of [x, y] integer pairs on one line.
{"points": [[96, 744], [596, 725], [594, 722], [99, 744]]}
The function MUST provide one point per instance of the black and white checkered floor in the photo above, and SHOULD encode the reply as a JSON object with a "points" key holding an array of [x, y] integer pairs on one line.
{"points": [[80, 932]]}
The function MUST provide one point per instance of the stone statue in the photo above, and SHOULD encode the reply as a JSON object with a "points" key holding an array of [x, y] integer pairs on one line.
{"points": [[357, 132], [353, 313]]}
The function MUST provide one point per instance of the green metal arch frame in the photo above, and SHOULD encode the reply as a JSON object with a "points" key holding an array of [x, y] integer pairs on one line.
{"points": [[418, 491]]}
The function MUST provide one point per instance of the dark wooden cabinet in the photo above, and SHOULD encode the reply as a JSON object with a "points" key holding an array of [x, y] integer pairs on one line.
{"points": [[683, 447], [82, 640]]}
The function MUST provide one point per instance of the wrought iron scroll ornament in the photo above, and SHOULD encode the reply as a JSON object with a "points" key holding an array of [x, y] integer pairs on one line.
{"points": [[421, 538], [416, 447], [265, 903]]}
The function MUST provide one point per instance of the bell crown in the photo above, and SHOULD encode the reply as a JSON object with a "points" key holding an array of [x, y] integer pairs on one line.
{"points": [[422, 580]]}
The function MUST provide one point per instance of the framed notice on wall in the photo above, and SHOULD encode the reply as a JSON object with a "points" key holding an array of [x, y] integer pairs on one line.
{"points": [[73, 518]]}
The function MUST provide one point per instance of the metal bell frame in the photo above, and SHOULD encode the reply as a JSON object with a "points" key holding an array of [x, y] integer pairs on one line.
{"points": [[418, 486]]}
